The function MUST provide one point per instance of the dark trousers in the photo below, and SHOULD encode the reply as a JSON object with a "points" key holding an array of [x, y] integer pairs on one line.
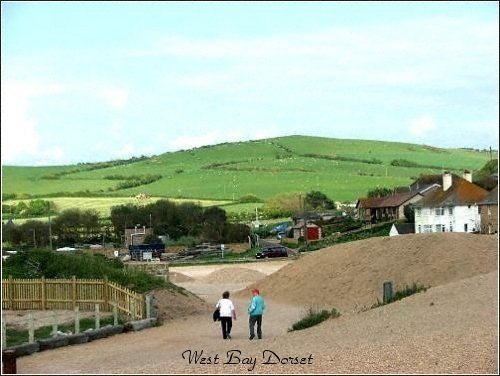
{"points": [[227, 324], [251, 321]]}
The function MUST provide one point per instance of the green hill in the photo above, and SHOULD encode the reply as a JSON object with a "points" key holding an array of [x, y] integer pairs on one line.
{"points": [[342, 169]]}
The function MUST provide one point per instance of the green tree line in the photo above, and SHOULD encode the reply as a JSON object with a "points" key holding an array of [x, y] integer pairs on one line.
{"points": [[165, 217]]}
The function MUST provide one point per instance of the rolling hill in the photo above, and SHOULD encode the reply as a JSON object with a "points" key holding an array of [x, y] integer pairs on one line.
{"points": [[342, 169]]}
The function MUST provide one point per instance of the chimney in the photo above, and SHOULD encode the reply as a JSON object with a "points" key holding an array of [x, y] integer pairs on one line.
{"points": [[468, 176], [446, 180]]}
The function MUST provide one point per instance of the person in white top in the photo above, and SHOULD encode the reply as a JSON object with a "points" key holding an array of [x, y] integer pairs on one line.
{"points": [[227, 313]]}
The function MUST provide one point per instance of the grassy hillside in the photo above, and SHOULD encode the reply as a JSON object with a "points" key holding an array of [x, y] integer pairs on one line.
{"points": [[342, 169]]}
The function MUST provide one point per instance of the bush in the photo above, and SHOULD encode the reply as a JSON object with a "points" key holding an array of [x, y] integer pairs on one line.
{"points": [[37, 263], [314, 318], [249, 198]]}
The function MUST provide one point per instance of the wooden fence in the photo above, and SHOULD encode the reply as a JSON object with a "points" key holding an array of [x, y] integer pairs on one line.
{"points": [[66, 294]]}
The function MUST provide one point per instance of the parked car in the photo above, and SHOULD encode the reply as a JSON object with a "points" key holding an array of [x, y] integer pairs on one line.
{"points": [[272, 252]]}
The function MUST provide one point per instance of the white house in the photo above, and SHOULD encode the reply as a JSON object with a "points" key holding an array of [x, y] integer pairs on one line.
{"points": [[451, 207]]}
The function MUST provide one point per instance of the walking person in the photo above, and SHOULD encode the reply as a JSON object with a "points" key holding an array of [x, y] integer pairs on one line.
{"points": [[255, 311], [227, 313]]}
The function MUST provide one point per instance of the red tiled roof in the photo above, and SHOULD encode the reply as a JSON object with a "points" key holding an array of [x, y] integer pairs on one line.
{"points": [[395, 200], [369, 202]]}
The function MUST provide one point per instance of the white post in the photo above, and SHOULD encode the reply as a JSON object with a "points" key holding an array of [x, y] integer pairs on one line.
{"points": [[148, 306], [54, 323], [132, 308], [115, 314], [77, 320], [31, 328], [97, 318]]}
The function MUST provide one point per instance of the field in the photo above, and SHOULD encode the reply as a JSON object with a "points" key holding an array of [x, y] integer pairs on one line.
{"points": [[342, 169], [103, 205]]}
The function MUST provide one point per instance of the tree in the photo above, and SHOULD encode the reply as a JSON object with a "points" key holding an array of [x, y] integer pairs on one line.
{"points": [[125, 216], [317, 200], [214, 224], [90, 223], [38, 207], [237, 232], [283, 205], [380, 192], [409, 212], [66, 226], [151, 239], [75, 225]]}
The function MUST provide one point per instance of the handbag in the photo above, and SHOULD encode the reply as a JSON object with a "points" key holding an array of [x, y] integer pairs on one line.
{"points": [[216, 314]]}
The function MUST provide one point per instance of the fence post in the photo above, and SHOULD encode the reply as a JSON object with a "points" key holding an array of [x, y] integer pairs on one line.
{"points": [[148, 306], [97, 318], [9, 362], [77, 320], [74, 292], [105, 293], [44, 294], [132, 308], [31, 328], [54, 324], [388, 292], [11, 292], [115, 314]]}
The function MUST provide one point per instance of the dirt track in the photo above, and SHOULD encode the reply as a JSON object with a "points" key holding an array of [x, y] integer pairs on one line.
{"points": [[451, 328]]}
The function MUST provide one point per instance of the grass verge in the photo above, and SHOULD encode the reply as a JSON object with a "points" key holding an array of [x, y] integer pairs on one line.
{"points": [[400, 294], [18, 337]]}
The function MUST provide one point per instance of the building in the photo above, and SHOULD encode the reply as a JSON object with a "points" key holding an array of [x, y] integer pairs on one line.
{"points": [[488, 210], [388, 208], [136, 235], [307, 229], [451, 207], [402, 229]]}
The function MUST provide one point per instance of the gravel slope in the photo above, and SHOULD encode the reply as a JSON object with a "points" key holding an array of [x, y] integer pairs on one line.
{"points": [[350, 276], [450, 328]]}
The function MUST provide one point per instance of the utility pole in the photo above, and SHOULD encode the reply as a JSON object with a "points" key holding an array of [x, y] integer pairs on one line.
{"points": [[34, 237], [50, 231]]}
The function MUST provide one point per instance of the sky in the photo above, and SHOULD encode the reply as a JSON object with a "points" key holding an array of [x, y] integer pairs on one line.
{"points": [[98, 81]]}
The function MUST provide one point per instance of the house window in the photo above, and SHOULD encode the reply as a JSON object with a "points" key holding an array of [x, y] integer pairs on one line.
{"points": [[439, 211], [451, 227], [427, 228], [419, 231], [465, 227], [450, 210], [439, 228]]}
